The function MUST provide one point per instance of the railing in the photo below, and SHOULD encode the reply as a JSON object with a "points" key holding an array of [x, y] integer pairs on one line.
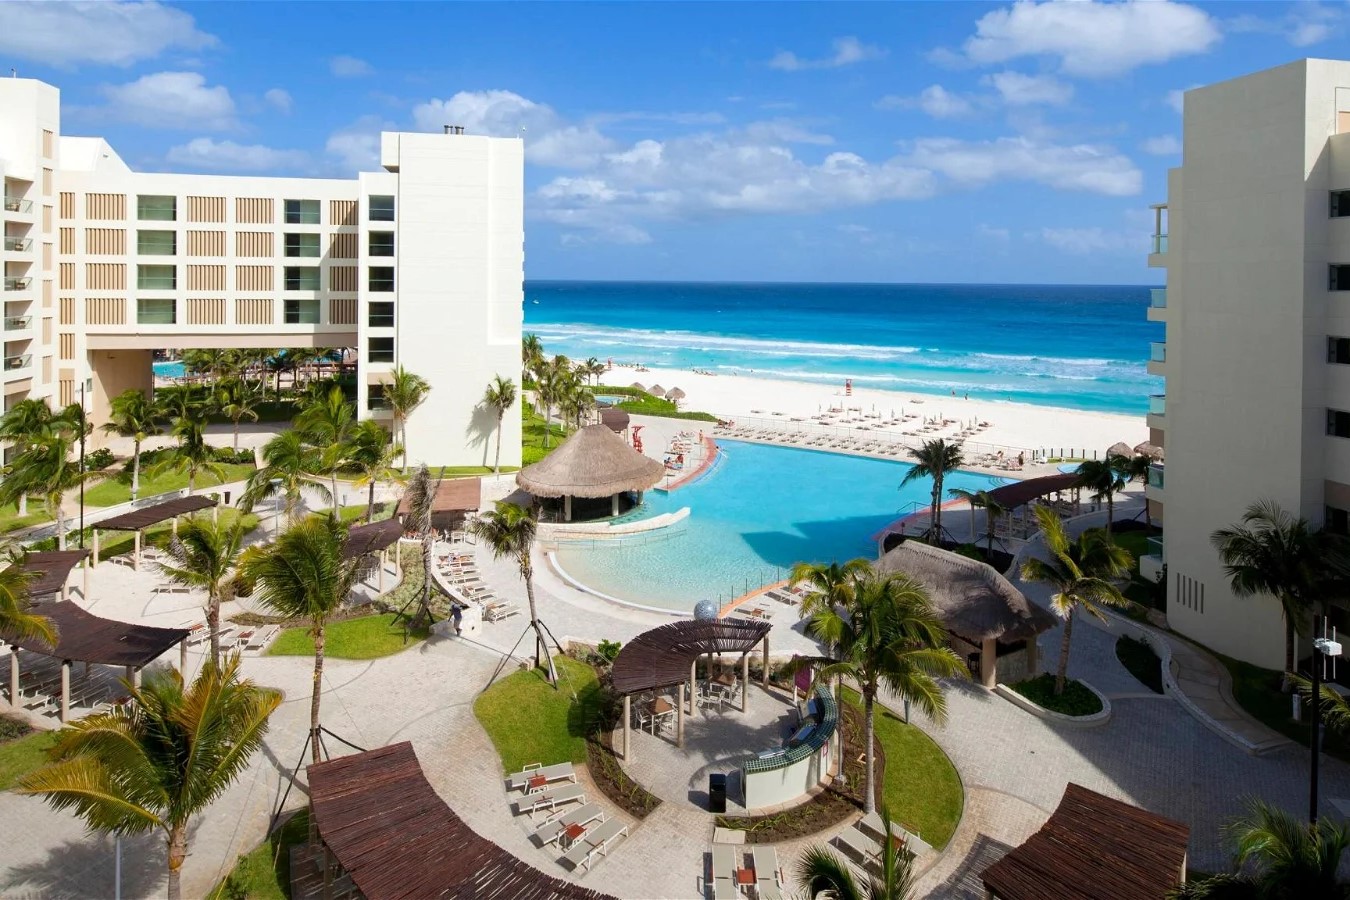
{"points": [[1157, 351], [1155, 547], [17, 284], [17, 244], [18, 362], [1158, 298], [1159, 243], [18, 205], [17, 323], [1157, 405], [1155, 475]]}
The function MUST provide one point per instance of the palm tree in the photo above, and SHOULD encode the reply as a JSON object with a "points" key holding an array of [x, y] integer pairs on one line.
{"points": [[160, 760], [203, 556], [327, 425], [1335, 707], [832, 583], [1278, 858], [305, 575], [1135, 468], [499, 397], [289, 464], [823, 872], [193, 454], [509, 531], [1103, 477], [1081, 572], [404, 393], [992, 510], [372, 454], [531, 354], [934, 460], [22, 424], [886, 633], [237, 401], [132, 415], [46, 468], [16, 616], [421, 495], [1274, 552]]}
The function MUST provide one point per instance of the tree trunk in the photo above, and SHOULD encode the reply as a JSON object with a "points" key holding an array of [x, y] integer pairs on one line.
{"points": [[989, 546], [135, 469], [424, 595], [1062, 672], [1110, 510], [60, 526], [23, 504], [497, 462], [314, 698], [213, 623], [370, 504], [935, 520], [177, 853], [1287, 683], [236, 435], [870, 803], [540, 647], [192, 481], [335, 493], [403, 438]]}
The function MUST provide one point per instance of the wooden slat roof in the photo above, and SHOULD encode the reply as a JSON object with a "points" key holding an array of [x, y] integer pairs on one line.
{"points": [[50, 569], [371, 538], [452, 495], [1022, 492], [661, 657], [85, 637], [1094, 848], [160, 512], [397, 838]]}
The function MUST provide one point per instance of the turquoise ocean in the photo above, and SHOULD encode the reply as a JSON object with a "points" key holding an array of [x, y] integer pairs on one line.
{"points": [[1074, 346]]}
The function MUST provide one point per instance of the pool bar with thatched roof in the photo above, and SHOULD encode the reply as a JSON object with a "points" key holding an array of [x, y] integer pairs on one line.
{"points": [[592, 463]]}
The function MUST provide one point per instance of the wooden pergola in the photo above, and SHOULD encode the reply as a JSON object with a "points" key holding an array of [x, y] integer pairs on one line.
{"points": [[140, 519], [374, 538], [51, 569]]}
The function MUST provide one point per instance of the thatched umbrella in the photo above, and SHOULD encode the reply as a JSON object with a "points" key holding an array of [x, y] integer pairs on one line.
{"points": [[1119, 448], [656, 390], [675, 395], [637, 386], [1147, 448], [614, 418], [593, 462]]}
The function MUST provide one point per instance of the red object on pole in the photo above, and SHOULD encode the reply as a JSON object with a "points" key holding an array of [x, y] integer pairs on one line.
{"points": [[848, 387]]}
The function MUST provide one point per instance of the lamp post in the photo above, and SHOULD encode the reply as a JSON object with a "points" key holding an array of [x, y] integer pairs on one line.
{"points": [[83, 428], [1325, 647]]}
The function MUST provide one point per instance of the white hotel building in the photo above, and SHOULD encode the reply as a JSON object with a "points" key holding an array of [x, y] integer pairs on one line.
{"points": [[1255, 239], [420, 265]]}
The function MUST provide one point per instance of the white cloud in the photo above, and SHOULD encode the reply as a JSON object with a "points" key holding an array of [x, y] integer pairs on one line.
{"points": [[356, 147], [180, 100], [935, 100], [279, 100], [1000, 235], [205, 153], [103, 33], [1176, 100], [847, 51], [1087, 241], [1303, 25], [1017, 89], [349, 67], [1090, 38], [1163, 145], [1079, 167], [549, 141]]}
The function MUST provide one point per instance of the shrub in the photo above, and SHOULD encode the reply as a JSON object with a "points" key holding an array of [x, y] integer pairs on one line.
{"points": [[608, 650], [98, 459], [242, 456]]}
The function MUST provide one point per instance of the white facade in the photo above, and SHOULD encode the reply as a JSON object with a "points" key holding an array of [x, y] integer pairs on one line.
{"points": [[419, 266], [1252, 307]]}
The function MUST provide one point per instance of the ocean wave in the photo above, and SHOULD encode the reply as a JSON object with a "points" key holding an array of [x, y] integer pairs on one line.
{"points": [[705, 341]]}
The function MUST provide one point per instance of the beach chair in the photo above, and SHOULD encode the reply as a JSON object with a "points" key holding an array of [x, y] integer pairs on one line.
{"points": [[547, 800], [553, 829], [768, 874], [518, 781], [724, 873], [495, 612], [853, 841]]}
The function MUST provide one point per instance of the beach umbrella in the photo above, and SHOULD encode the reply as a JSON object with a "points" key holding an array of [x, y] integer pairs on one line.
{"points": [[1119, 448], [637, 386], [656, 390], [675, 394], [1147, 448]]}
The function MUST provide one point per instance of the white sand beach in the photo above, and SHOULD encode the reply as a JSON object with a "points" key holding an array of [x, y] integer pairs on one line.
{"points": [[1017, 425]]}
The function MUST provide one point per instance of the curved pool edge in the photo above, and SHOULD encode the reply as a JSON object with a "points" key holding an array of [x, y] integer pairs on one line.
{"points": [[602, 531], [629, 604]]}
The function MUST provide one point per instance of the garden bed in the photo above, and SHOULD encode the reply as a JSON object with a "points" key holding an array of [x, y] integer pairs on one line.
{"points": [[1077, 701], [1139, 658]]}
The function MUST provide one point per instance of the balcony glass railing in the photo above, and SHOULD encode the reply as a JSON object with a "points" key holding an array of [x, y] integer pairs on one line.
{"points": [[1159, 243], [1157, 405], [18, 362], [1155, 476], [18, 244], [1158, 298], [1157, 351], [17, 323], [18, 205], [17, 284], [1155, 546]]}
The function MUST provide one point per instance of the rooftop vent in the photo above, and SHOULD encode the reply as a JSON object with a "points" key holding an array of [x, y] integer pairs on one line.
{"points": [[453, 129]]}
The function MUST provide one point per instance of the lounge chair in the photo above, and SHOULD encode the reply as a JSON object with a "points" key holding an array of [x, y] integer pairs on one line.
{"points": [[724, 873], [768, 875], [533, 803], [597, 840], [553, 829], [517, 781], [497, 611], [860, 845]]}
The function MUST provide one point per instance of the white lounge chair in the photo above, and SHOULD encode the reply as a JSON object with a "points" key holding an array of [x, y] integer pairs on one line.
{"points": [[597, 840], [724, 873], [768, 877], [553, 829], [557, 772], [533, 803], [860, 845]]}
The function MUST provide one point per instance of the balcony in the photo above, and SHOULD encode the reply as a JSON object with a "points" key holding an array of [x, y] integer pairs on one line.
{"points": [[1157, 298], [1157, 405], [1151, 564], [14, 363], [1159, 243], [18, 323], [18, 244], [1157, 351], [1155, 476], [18, 205], [17, 284]]}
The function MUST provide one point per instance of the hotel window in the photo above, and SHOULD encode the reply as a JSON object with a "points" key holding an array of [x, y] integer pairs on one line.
{"points": [[381, 350], [156, 208], [156, 243], [381, 314], [1338, 350], [157, 278], [381, 209], [1337, 521], [381, 243], [302, 312], [156, 311], [375, 397], [302, 245], [1338, 423], [1340, 204], [302, 212], [301, 278], [1340, 278], [382, 279]]}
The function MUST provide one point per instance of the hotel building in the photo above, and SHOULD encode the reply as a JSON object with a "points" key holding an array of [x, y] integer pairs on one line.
{"points": [[420, 265], [1255, 241]]}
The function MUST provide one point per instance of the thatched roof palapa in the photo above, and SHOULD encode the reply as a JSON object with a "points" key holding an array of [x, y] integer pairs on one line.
{"points": [[1119, 448], [656, 390], [637, 385], [615, 418], [675, 394], [593, 462], [972, 599], [1147, 448]]}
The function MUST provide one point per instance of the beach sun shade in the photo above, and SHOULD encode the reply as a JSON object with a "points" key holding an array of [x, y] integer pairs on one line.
{"points": [[452, 495], [593, 462], [675, 394], [85, 637], [372, 538], [637, 386], [660, 658], [656, 390], [49, 570], [146, 516], [613, 418], [1119, 448], [1147, 448]]}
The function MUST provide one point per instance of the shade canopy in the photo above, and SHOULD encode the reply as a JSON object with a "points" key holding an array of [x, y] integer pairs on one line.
{"points": [[593, 462], [1119, 448], [453, 495], [1147, 448], [614, 418], [675, 394], [1011, 496], [972, 599], [637, 385], [397, 838], [84, 637], [146, 516], [1093, 848], [50, 569], [371, 538], [661, 657], [656, 390]]}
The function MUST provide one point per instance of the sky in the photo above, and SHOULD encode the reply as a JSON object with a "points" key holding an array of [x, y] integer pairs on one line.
{"points": [[876, 142]]}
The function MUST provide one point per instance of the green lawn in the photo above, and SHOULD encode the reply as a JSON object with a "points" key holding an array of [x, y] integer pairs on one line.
{"points": [[265, 873], [368, 637], [21, 756], [1076, 700], [118, 489], [10, 520], [532, 441], [922, 789], [1257, 691], [644, 404], [461, 471], [1134, 541], [531, 722], [1142, 662]]}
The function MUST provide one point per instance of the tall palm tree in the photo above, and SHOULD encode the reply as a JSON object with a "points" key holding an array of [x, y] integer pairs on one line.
{"points": [[193, 454], [531, 354], [832, 583], [237, 401], [1135, 468], [289, 464], [203, 556], [404, 393], [160, 760], [327, 425], [47, 468], [373, 453], [22, 424], [499, 397], [1083, 574], [1277, 553], [421, 495], [305, 575], [823, 873], [133, 415], [17, 618], [1104, 479], [934, 460], [886, 633], [509, 531], [992, 510], [1278, 858]]}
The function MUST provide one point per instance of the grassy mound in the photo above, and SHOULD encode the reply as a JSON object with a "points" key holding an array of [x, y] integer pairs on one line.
{"points": [[531, 722], [1077, 699], [368, 637]]}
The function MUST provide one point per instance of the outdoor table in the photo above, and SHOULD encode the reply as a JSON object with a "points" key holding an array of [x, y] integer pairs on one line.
{"points": [[572, 832], [660, 708], [725, 678], [536, 784], [745, 877]]}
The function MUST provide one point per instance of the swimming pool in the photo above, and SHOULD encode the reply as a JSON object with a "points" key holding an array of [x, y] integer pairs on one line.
{"points": [[758, 512], [169, 370], [610, 399]]}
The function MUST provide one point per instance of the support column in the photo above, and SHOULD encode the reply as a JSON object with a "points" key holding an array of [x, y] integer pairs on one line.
{"points": [[679, 718], [384, 554], [764, 680], [745, 681], [182, 658], [693, 683], [1033, 652], [14, 676], [174, 526], [86, 568], [136, 552], [627, 715], [131, 675], [614, 504], [65, 590], [65, 690], [215, 514], [95, 530], [567, 508], [988, 659]]}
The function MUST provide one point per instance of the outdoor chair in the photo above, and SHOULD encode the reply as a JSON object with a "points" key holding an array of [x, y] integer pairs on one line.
{"points": [[533, 803], [554, 829], [518, 781], [724, 873], [860, 845], [768, 875]]}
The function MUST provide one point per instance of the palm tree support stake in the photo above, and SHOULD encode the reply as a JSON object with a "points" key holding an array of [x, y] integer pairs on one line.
{"points": [[290, 783]]}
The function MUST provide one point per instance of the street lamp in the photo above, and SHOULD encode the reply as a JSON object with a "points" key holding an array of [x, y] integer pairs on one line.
{"points": [[276, 507], [83, 428], [1326, 647]]}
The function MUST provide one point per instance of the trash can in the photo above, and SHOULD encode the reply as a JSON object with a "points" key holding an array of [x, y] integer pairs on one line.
{"points": [[717, 793], [227, 498]]}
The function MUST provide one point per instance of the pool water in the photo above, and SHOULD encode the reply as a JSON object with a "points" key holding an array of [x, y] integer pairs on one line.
{"points": [[610, 399], [169, 370], [759, 511]]}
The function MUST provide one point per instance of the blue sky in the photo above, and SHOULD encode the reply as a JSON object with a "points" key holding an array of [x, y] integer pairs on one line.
{"points": [[911, 142]]}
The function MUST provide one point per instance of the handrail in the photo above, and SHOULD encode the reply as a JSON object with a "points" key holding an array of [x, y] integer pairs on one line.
{"points": [[17, 284], [18, 205], [17, 323], [18, 362], [18, 244]]}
